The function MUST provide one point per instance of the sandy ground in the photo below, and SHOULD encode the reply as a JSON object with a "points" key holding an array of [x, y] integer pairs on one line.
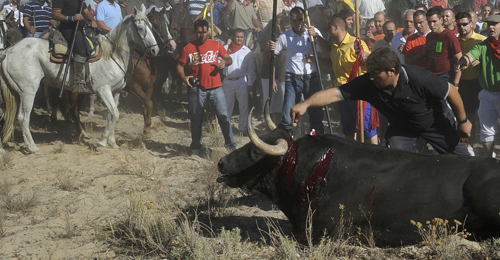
{"points": [[74, 189], [68, 195]]}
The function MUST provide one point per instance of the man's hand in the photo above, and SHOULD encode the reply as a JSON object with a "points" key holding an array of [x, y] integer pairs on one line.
{"points": [[257, 29], [93, 24], [464, 130], [475, 63], [78, 17], [186, 80], [369, 35], [275, 87], [271, 45], [32, 30], [311, 31], [462, 62], [222, 63], [297, 111]]}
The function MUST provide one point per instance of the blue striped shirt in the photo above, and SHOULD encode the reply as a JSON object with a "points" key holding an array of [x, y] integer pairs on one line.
{"points": [[40, 15]]}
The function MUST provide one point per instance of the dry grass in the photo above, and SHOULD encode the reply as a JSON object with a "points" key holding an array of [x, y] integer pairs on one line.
{"points": [[16, 202], [5, 161], [133, 165], [65, 181]]}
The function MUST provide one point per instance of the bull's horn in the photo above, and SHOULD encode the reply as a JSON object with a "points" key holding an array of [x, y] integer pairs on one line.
{"points": [[267, 116], [278, 149]]}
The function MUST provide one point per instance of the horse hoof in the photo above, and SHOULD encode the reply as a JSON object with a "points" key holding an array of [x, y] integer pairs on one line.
{"points": [[84, 135], [146, 135], [102, 144], [113, 145]]}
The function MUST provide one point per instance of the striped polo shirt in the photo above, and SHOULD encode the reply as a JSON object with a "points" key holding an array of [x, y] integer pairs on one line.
{"points": [[38, 16]]}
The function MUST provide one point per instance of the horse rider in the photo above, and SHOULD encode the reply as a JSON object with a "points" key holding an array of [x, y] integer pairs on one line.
{"points": [[66, 12]]}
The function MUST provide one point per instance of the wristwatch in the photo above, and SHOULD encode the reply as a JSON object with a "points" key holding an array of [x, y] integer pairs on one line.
{"points": [[463, 121], [454, 84]]}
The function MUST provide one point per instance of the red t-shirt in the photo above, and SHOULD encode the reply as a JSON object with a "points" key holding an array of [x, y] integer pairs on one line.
{"points": [[438, 3], [203, 61], [442, 49], [415, 44]]}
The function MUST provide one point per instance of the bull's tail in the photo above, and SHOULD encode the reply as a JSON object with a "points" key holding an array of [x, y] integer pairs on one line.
{"points": [[11, 109]]}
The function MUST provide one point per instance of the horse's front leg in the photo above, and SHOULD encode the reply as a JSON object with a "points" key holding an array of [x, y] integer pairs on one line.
{"points": [[25, 107], [75, 114], [113, 115]]}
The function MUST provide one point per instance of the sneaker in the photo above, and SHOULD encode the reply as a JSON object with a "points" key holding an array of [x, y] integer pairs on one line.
{"points": [[231, 148], [471, 151]]}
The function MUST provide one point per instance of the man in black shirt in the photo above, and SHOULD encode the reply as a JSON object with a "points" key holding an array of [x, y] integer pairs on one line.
{"points": [[413, 99], [67, 12]]}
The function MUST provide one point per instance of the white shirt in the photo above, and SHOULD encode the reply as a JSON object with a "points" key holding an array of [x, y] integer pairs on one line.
{"points": [[296, 47], [368, 8], [396, 42], [18, 15], [243, 65]]}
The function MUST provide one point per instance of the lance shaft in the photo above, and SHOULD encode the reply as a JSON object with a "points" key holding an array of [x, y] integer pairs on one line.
{"points": [[70, 54], [315, 52]]}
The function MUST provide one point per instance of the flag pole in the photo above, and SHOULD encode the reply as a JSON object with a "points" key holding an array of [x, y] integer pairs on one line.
{"points": [[360, 102]]}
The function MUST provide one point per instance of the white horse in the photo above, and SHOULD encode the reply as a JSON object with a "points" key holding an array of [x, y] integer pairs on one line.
{"points": [[27, 63]]}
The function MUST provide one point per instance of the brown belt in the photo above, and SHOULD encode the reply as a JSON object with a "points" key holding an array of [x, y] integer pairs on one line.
{"points": [[233, 78]]}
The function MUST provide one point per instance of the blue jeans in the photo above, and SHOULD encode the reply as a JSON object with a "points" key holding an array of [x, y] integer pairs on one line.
{"points": [[295, 87], [197, 98], [37, 35]]}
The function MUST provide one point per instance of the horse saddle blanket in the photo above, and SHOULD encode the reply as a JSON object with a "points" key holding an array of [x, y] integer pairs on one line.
{"points": [[59, 48]]}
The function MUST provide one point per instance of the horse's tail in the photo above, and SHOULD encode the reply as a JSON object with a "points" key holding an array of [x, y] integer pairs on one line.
{"points": [[11, 109]]}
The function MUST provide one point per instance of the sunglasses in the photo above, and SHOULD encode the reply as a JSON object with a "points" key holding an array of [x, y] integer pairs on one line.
{"points": [[463, 24]]}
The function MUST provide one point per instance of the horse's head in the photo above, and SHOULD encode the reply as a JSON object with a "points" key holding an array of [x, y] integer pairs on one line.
{"points": [[157, 19], [144, 33]]}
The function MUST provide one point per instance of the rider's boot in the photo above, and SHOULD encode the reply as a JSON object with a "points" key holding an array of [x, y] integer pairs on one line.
{"points": [[79, 85]]}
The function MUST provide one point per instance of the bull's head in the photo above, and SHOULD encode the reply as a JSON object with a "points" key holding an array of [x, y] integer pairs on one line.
{"points": [[251, 165]]}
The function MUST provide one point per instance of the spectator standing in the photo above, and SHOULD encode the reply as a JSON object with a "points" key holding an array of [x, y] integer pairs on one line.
{"points": [[478, 4], [205, 59], [265, 10], [344, 56], [239, 77], [399, 41], [109, 15], [469, 86], [442, 48], [16, 7], [449, 21], [435, 3], [488, 53], [279, 72], [301, 72], [124, 7], [415, 44], [66, 12], [195, 8], [244, 17], [37, 15], [413, 99], [485, 12], [389, 28], [380, 19]]}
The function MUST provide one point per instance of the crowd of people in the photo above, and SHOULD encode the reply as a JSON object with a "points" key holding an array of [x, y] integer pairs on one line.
{"points": [[431, 70]]}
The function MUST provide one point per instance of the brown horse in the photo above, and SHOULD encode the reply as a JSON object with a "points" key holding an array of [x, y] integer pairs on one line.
{"points": [[141, 75]]}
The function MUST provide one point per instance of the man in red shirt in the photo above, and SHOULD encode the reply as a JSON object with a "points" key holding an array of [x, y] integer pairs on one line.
{"points": [[442, 48], [205, 59], [416, 42]]}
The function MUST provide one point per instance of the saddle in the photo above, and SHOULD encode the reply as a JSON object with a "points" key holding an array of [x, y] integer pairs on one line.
{"points": [[59, 48]]}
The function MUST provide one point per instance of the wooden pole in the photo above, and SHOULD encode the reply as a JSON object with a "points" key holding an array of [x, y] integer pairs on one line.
{"points": [[315, 51], [213, 38], [360, 102]]}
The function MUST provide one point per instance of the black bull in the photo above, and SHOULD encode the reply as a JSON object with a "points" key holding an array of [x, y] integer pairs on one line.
{"points": [[395, 186]]}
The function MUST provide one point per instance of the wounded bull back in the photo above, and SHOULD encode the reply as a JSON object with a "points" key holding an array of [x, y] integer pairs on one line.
{"points": [[394, 186]]}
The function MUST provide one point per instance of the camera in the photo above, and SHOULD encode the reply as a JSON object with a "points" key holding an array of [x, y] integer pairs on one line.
{"points": [[195, 82]]}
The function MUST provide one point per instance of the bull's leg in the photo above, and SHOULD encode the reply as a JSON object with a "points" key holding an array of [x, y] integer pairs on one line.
{"points": [[25, 107]]}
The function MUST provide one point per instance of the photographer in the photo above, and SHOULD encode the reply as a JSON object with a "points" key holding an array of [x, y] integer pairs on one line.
{"points": [[206, 58]]}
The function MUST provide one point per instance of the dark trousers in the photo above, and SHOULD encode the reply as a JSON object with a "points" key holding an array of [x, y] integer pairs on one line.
{"points": [[79, 47]]}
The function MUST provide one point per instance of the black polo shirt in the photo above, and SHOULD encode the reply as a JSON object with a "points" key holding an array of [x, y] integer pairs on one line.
{"points": [[68, 8], [416, 104]]}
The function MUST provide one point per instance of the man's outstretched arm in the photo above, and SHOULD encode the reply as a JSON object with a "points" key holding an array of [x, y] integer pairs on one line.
{"points": [[320, 99]]}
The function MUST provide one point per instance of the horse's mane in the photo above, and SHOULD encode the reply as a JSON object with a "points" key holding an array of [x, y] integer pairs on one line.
{"points": [[113, 46]]}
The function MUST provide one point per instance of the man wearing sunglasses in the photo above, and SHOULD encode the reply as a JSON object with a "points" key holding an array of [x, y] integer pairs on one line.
{"points": [[488, 53], [469, 87]]}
